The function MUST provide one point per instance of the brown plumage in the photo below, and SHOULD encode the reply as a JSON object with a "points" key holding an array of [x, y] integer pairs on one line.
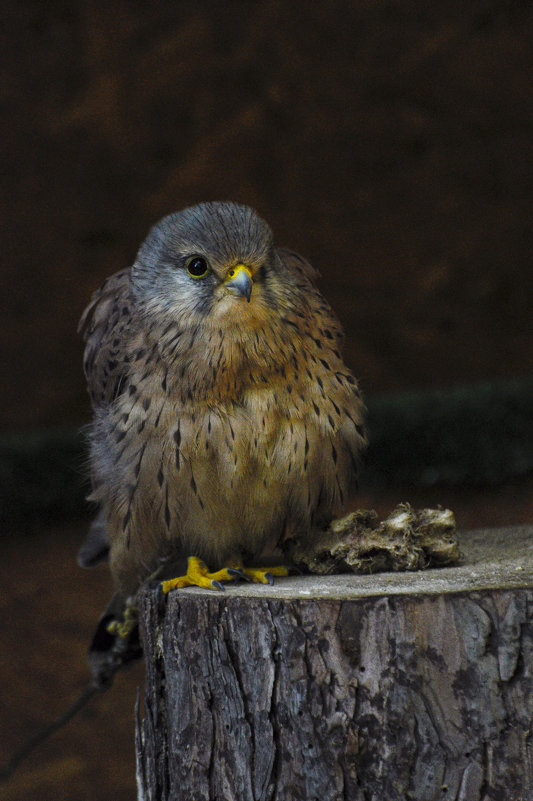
{"points": [[221, 426]]}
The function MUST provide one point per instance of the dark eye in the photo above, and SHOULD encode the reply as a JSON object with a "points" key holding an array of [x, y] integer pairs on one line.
{"points": [[197, 267]]}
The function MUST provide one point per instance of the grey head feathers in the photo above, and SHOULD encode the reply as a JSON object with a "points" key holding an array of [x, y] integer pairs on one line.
{"points": [[223, 232]]}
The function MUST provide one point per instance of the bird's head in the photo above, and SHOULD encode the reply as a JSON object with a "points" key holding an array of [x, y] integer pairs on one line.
{"points": [[214, 293], [209, 259]]}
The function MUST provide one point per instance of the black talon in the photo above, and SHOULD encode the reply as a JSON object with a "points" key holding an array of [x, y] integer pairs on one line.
{"points": [[269, 577], [218, 585], [234, 571]]}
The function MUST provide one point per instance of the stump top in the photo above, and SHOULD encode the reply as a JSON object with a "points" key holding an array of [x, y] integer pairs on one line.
{"points": [[499, 558]]}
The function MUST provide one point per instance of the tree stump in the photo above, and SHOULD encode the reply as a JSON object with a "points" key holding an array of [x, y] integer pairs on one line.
{"points": [[390, 687]]}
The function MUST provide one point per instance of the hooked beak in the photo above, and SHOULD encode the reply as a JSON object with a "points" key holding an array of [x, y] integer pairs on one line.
{"points": [[239, 281]]}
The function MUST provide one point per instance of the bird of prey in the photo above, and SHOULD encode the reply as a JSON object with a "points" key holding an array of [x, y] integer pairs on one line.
{"points": [[225, 419]]}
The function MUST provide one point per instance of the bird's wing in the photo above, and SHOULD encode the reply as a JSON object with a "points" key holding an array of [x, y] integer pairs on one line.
{"points": [[106, 325], [308, 275], [95, 547], [298, 264]]}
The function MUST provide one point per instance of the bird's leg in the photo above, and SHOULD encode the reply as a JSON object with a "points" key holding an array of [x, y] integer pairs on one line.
{"points": [[198, 575]]}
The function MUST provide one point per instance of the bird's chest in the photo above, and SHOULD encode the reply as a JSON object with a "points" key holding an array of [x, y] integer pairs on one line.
{"points": [[223, 477], [239, 459], [235, 447]]}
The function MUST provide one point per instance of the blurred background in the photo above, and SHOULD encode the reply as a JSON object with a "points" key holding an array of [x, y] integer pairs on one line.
{"points": [[388, 142]]}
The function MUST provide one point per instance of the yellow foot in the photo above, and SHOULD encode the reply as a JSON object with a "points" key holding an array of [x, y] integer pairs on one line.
{"points": [[198, 575], [260, 575]]}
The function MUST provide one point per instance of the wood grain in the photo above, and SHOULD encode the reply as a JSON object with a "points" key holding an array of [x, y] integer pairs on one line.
{"points": [[397, 686]]}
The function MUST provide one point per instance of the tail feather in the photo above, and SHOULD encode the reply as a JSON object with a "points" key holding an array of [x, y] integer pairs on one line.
{"points": [[115, 642]]}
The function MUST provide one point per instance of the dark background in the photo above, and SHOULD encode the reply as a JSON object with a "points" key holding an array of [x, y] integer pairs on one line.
{"points": [[388, 142]]}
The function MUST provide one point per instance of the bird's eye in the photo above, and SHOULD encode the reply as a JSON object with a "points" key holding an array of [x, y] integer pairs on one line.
{"points": [[197, 267]]}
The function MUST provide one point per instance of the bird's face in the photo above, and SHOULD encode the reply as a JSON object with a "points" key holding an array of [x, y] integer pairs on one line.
{"points": [[213, 262], [212, 294]]}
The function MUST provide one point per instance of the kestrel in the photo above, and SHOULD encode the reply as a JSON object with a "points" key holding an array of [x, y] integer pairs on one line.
{"points": [[225, 419]]}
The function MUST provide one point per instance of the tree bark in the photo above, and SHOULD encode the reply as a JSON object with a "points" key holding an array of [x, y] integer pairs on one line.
{"points": [[391, 687]]}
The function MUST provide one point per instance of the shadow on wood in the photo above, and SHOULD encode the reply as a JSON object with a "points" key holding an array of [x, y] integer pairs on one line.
{"points": [[369, 688]]}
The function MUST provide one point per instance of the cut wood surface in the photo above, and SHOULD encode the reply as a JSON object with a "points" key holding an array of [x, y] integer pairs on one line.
{"points": [[387, 687]]}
